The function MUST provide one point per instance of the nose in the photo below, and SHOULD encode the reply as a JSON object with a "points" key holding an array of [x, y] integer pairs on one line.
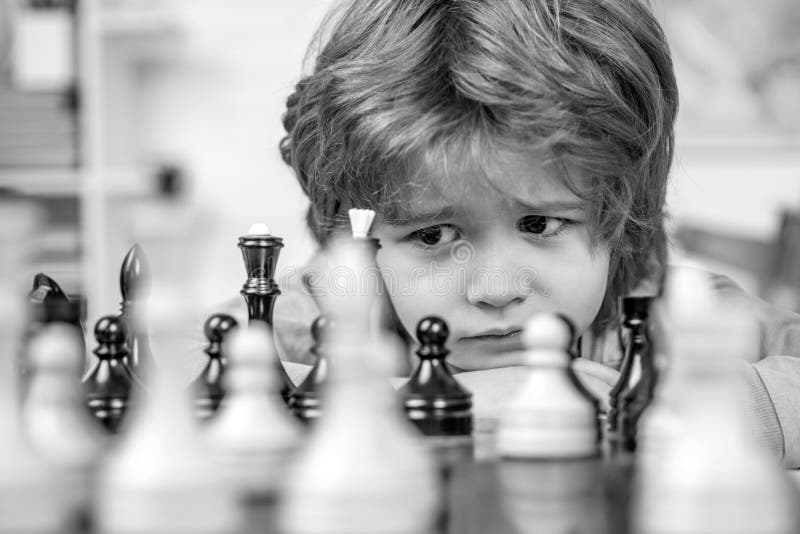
{"points": [[493, 282]]}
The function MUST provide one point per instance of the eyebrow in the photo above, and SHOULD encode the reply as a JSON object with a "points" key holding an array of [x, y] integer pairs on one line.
{"points": [[403, 217], [410, 218], [553, 206]]}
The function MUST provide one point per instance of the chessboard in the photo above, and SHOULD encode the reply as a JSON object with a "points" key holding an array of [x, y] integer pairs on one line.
{"points": [[255, 444]]}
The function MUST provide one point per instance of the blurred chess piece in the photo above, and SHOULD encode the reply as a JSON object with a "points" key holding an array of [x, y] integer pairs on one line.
{"points": [[160, 478], [546, 497], [208, 387], [260, 251], [134, 285], [434, 400], [633, 391], [550, 417], [701, 467], [306, 402], [30, 496], [60, 427], [110, 383], [253, 437], [363, 464]]}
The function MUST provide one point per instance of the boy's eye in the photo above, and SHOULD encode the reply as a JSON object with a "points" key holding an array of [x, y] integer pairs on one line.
{"points": [[541, 225], [440, 234]]}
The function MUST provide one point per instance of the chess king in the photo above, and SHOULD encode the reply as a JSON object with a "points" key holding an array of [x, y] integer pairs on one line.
{"points": [[516, 154]]}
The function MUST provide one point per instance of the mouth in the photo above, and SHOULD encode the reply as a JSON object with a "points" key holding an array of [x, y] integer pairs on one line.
{"points": [[495, 335]]}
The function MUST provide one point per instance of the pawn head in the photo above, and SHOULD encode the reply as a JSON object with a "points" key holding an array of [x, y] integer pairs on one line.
{"points": [[547, 331], [432, 330], [321, 328], [110, 330], [217, 325]]}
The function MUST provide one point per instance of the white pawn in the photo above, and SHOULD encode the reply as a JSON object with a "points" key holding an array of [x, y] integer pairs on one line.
{"points": [[702, 468], [161, 479], [549, 417], [60, 427], [364, 468], [30, 499], [253, 436]]}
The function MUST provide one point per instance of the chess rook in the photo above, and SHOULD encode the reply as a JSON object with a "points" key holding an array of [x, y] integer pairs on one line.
{"points": [[134, 285], [260, 253]]}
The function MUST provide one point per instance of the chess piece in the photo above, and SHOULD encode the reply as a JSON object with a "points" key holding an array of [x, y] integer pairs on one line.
{"points": [[383, 318], [434, 400], [110, 382], [30, 496], [711, 474], [305, 401], [61, 430], [160, 477], [208, 386], [49, 304], [549, 417], [363, 465], [252, 437], [260, 252], [634, 389], [134, 285]]}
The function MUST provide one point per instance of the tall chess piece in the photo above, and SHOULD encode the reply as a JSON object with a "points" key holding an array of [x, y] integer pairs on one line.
{"points": [[384, 318], [134, 285], [60, 428], [160, 477], [364, 468], [30, 497], [305, 401], [208, 386], [253, 437], [260, 252], [434, 400], [110, 382], [638, 375], [700, 465]]}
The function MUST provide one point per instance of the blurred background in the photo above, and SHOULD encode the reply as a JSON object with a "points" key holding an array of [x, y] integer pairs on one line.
{"points": [[129, 120]]}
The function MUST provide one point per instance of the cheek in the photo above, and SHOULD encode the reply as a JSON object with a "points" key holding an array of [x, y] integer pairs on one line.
{"points": [[413, 293], [578, 286]]}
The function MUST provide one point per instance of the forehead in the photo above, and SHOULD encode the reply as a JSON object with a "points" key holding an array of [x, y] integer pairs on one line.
{"points": [[455, 181]]}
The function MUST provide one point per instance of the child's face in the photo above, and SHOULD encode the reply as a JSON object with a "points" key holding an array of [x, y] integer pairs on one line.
{"points": [[486, 248]]}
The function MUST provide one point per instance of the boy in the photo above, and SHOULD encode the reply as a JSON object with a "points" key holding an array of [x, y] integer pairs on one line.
{"points": [[516, 153]]}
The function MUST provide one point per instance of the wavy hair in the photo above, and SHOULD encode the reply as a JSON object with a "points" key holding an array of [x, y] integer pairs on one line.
{"points": [[393, 83]]}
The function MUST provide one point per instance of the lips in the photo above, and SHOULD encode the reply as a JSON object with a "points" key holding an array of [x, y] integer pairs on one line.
{"points": [[496, 334]]}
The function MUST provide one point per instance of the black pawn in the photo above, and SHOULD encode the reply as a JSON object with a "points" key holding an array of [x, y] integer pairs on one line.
{"points": [[208, 387], [305, 400], [108, 385], [134, 284], [434, 400]]}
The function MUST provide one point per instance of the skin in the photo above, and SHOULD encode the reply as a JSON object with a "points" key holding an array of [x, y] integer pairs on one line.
{"points": [[486, 247]]}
